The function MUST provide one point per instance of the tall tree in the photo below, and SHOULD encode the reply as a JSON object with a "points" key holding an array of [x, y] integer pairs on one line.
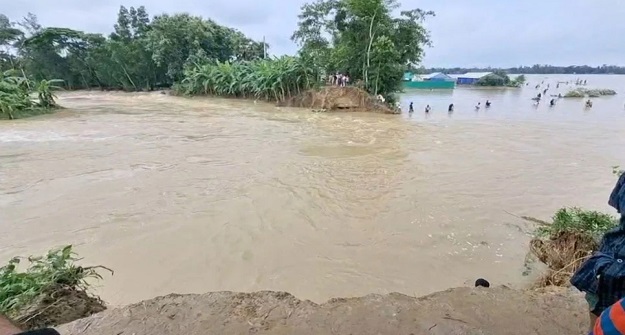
{"points": [[140, 54], [363, 39], [30, 23], [9, 35]]}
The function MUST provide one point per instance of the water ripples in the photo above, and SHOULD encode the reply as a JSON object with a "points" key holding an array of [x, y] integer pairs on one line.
{"points": [[215, 194]]}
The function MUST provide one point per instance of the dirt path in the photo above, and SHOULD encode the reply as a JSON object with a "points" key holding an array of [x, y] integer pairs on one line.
{"points": [[457, 311]]}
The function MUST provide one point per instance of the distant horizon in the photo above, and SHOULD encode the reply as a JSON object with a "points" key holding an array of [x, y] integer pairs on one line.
{"points": [[534, 69], [522, 66]]}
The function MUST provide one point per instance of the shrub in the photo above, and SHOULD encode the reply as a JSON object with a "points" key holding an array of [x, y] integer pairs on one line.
{"points": [[579, 221], [52, 290]]}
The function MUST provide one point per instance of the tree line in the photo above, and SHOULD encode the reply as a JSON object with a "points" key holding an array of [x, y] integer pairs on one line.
{"points": [[538, 69], [141, 53], [361, 38]]}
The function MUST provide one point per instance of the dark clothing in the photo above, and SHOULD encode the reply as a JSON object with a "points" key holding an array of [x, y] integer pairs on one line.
{"points": [[603, 273], [46, 331], [482, 283], [617, 197]]}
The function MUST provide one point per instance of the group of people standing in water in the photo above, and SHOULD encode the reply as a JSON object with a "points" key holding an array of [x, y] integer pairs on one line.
{"points": [[542, 88], [552, 102], [450, 108]]}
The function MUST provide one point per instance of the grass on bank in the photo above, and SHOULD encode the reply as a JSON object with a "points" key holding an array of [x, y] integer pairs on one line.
{"points": [[49, 291], [578, 220], [565, 243]]}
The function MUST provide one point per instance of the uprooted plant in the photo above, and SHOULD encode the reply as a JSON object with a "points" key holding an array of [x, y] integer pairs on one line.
{"points": [[52, 290], [568, 241]]}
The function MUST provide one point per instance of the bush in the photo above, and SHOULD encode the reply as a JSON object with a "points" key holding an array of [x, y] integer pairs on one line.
{"points": [[497, 78], [578, 220], [15, 96], [518, 81], [567, 242], [592, 93], [52, 290]]}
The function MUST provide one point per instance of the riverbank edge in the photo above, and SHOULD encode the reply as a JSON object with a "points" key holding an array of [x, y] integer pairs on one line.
{"points": [[454, 311], [30, 112]]}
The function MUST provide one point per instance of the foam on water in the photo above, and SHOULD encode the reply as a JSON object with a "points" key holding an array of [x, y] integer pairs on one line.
{"points": [[47, 136]]}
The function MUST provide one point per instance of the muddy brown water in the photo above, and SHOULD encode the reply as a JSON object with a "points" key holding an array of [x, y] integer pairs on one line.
{"points": [[196, 195]]}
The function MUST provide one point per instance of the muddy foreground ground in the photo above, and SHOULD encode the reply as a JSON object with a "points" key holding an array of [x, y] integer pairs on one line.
{"points": [[456, 311]]}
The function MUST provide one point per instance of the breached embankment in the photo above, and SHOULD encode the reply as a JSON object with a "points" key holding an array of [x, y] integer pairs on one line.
{"points": [[333, 98], [498, 310]]}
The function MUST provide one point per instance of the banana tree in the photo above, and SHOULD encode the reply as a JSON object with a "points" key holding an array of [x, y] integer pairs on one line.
{"points": [[45, 89]]}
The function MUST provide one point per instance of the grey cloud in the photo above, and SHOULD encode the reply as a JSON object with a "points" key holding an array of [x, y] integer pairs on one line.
{"points": [[464, 33]]}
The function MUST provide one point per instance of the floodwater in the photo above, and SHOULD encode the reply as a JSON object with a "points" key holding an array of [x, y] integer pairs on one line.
{"points": [[196, 195]]}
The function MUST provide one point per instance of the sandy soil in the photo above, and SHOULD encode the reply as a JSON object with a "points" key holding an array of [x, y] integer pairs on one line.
{"points": [[456, 311]]}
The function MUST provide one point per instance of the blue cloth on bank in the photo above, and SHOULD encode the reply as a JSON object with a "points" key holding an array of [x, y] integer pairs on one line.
{"points": [[604, 272]]}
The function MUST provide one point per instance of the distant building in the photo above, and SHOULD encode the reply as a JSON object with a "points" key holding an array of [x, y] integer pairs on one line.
{"points": [[432, 81], [437, 76], [470, 78]]}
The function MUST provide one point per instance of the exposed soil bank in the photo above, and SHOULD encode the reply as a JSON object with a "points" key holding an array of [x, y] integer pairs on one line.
{"points": [[333, 98], [456, 311]]}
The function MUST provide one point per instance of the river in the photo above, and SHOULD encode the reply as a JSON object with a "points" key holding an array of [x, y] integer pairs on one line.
{"points": [[195, 195]]}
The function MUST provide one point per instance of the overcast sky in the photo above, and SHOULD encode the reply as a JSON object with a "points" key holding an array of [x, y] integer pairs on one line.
{"points": [[498, 33]]}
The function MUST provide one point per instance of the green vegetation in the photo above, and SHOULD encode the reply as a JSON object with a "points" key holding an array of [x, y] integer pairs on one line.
{"points": [[592, 93], [578, 220], [564, 244], [500, 78], [140, 54], [363, 39], [16, 96], [39, 295], [269, 79], [519, 80], [360, 38], [567, 242]]}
